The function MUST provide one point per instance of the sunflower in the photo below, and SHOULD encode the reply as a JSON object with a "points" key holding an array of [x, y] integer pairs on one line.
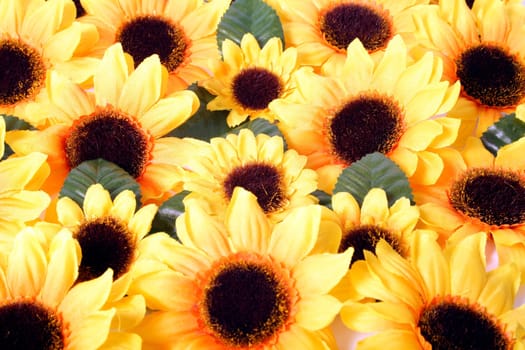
{"points": [[241, 282], [249, 78], [322, 30], [41, 308], [480, 192], [123, 121], [109, 233], [482, 48], [181, 32], [436, 299], [30, 46], [259, 164], [388, 107]]}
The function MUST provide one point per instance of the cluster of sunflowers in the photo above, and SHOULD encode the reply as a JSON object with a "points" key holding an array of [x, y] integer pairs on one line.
{"points": [[321, 174]]}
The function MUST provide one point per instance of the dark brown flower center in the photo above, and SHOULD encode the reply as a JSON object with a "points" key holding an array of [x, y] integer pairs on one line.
{"points": [[366, 237], [369, 23], [246, 304], [111, 135], [495, 197], [255, 88], [29, 325], [106, 243], [265, 181], [491, 75], [22, 72], [146, 35], [449, 324], [366, 124]]}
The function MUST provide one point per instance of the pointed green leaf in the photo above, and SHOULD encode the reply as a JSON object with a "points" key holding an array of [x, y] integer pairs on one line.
{"points": [[374, 170], [168, 212], [111, 176], [14, 123], [505, 131], [249, 16], [324, 198]]}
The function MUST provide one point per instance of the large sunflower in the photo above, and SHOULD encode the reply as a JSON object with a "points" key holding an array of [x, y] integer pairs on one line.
{"points": [[41, 308], [322, 30], [436, 299], [480, 192], [181, 32], [122, 122], [259, 164], [249, 78], [239, 283], [388, 107], [482, 48], [35, 37]]}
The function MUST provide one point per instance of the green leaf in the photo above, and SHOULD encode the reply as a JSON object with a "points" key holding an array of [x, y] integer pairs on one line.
{"points": [[259, 126], [249, 16], [374, 170], [111, 176], [169, 211], [14, 123], [324, 198], [505, 131], [204, 124]]}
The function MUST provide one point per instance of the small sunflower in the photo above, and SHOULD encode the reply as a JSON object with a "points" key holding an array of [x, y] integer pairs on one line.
{"points": [[180, 32], [388, 107], [482, 48], [436, 299], [31, 46], [241, 282], [122, 121], [322, 30], [480, 192], [249, 78], [259, 164], [41, 308]]}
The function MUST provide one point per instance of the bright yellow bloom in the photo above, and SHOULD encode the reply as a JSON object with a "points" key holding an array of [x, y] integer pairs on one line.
{"points": [[181, 32], [388, 107], [482, 49], [249, 78], [241, 282], [122, 121], [435, 299], [37, 36], [42, 308], [259, 164]]}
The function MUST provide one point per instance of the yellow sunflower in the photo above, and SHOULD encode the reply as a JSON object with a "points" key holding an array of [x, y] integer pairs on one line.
{"points": [[21, 199], [241, 282], [480, 192], [123, 121], [259, 164], [482, 48], [388, 107], [35, 37], [249, 78], [435, 300], [322, 30], [41, 308], [181, 32]]}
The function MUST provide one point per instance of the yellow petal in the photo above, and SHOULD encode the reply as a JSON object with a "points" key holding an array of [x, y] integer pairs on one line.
{"points": [[378, 316], [23, 205], [429, 168], [124, 206], [17, 173], [69, 212], [121, 341], [111, 75], [98, 323], [374, 210], [140, 223], [129, 312], [296, 337], [317, 311], [511, 156], [97, 202], [412, 138], [500, 289], [391, 339]]}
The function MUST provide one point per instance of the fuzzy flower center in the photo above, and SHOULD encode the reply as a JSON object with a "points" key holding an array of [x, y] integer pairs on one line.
{"points": [[344, 22], [22, 72], [367, 123], [143, 36], [491, 75], [106, 242], [254, 88], [495, 197], [29, 325], [111, 135]]}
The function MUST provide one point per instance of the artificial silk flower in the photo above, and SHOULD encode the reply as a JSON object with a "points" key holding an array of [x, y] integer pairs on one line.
{"points": [[393, 106], [122, 121], [239, 282]]}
